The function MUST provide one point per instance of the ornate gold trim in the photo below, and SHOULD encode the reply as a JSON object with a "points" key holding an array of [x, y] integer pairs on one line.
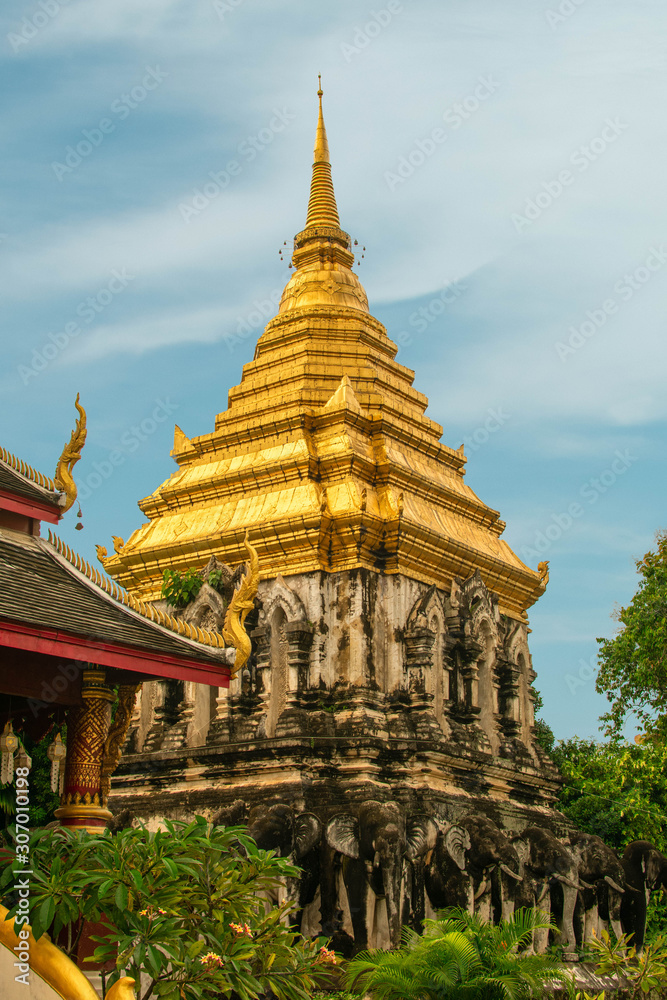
{"points": [[27, 471], [177, 625], [113, 746]]}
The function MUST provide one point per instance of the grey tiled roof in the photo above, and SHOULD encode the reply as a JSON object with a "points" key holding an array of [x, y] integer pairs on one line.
{"points": [[12, 481], [38, 587]]}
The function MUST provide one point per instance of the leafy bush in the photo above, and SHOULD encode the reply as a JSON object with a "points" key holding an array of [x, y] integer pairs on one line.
{"points": [[645, 974], [216, 579], [184, 905], [459, 957], [179, 589]]}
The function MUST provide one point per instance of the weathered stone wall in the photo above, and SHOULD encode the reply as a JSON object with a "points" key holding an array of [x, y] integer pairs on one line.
{"points": [[360, 684]]}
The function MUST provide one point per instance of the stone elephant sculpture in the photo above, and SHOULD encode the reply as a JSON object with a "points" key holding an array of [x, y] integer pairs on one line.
{"points": [[602, 881], [546, 862], [375, 846], [645, 870], [494, 868], [293, 836], [447, 880]]}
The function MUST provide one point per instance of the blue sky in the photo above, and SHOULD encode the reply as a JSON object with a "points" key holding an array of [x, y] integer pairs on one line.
{"points": [[502, 162]]}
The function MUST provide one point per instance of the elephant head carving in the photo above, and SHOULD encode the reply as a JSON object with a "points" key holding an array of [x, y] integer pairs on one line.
{"points": [[447, 879], [494, 866], [278, 828], [645, 870], [377, 843]]}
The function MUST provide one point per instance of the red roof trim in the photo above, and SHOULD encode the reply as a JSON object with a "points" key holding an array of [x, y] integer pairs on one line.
{"points": [[42, 512], [76, 647]]}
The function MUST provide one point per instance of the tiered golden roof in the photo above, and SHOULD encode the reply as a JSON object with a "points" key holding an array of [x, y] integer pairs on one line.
{"points": [[325, 453]]}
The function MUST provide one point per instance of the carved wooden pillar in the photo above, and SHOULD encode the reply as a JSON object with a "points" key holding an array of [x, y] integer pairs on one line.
{"points": [[87, 730]]}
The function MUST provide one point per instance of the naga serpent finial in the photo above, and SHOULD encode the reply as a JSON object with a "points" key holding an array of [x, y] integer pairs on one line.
{"points": [[70, 456], [543, 570], [233, 630]]}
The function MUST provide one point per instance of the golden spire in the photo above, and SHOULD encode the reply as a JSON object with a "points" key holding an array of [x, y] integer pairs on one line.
{"points": [[322, 210], [322, 256]]}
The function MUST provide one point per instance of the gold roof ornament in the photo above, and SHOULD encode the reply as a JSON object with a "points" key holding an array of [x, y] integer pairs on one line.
{"points": [[71, 454], [233, 630]]}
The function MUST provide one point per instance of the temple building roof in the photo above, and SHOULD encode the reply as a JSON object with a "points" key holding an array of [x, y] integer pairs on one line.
{"points": [[53, 604], [22, 483], [325, 452]]}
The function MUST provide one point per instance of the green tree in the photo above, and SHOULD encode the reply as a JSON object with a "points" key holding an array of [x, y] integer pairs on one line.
{"points": [[184, 905], [618, 790], [633, 665], [459, 957]]}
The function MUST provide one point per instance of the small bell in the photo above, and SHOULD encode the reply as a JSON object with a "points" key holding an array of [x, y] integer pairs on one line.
{"points": [[79, 526], [56, 754], [9, 743]]}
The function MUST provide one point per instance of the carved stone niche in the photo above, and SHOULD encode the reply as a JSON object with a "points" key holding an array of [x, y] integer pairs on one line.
{"points": [[207, 610], [475, 621], [282, 641], [427, 647]]}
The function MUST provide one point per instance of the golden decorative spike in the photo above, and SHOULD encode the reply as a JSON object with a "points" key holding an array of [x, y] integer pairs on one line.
{"points": [[49, 536], [113, 745], [242, 602], [543, 570], [102, 554], [322, 208], [71, 454]]}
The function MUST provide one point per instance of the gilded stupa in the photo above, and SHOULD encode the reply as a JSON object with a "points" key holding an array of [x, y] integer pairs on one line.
{"points": [[325, 453], [389, 634]]}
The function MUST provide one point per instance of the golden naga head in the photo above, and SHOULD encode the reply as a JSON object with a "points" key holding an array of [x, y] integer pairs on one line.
{"points": [[233, 631], [70, 456]]}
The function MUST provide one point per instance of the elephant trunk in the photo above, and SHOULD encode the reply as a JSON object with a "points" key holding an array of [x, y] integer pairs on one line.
{"points": [[391, 877]]}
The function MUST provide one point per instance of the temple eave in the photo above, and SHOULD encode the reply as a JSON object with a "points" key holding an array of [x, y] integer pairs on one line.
{"points": [[322, 542]]}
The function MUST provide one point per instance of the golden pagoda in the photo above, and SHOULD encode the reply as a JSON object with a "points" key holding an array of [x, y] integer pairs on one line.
{"points": [[388, 672], [325, 453]]}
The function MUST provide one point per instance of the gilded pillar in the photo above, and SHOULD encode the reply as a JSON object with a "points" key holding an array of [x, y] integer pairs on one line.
{"points": [[87, 730]]}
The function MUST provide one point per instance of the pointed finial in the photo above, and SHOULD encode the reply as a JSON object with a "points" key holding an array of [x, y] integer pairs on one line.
{"points": [[320, 92], [322, 210]]}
